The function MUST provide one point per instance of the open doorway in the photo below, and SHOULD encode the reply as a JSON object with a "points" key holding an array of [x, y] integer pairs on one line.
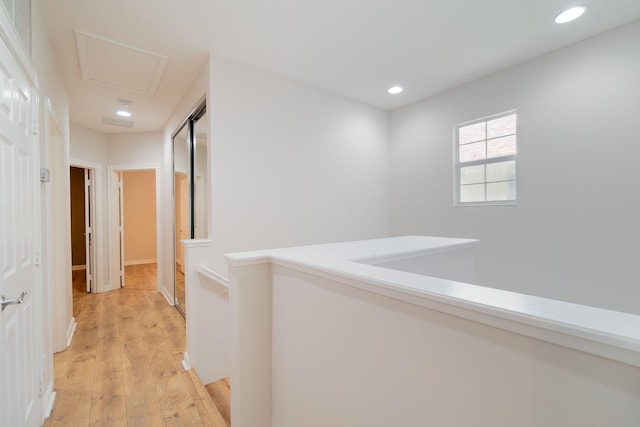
{"points": [[134, 229], [139, 237], [83, 245]]}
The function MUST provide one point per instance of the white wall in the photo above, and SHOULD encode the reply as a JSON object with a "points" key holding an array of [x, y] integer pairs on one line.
{"points": [[140, 231], [136, 148], [573, 235], [88, 145], [102, 152], [89, 149], [291, 164]]}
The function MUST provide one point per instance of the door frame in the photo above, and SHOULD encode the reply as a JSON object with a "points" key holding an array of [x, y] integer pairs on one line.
{"points": [[90, 227], [113, 204], [57, 224], [100, 218], [97, 266], [55, 330]]}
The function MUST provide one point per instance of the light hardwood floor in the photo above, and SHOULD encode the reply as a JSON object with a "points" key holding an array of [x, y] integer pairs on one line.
{"points": [[123, 367]]}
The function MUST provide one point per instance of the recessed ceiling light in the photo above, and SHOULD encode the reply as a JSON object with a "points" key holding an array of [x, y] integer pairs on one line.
{"points": [[123, 110], [570, 14], [395, 90]]}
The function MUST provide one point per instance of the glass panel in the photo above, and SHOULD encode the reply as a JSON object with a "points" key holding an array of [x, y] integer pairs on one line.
{"points": [[471, 152], [472, 193], [471, 133], [501, 126], [500, 191], [505, 146], [502, 171], [472, 174]]}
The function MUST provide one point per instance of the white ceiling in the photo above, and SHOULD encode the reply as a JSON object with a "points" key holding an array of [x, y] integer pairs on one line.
{"points": [[354, 48]]}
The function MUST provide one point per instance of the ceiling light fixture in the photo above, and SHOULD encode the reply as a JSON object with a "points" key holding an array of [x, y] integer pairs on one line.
{"points": [[123, 110], [570, 14], [394, 90]]}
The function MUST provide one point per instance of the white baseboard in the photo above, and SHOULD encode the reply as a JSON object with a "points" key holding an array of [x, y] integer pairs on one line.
{"points": [[166, 296], [49, 400], [78, 267], [71, 330], [186, 362], [141, 261]]}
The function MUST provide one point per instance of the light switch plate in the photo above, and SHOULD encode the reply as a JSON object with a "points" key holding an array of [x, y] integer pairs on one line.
{"points": [[44, 175]]}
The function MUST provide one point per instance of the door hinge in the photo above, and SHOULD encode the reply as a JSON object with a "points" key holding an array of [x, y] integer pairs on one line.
{"points": [[36, 261]]}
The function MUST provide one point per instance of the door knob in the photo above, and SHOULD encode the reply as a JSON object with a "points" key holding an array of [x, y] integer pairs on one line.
{"points": [[10, 301]]}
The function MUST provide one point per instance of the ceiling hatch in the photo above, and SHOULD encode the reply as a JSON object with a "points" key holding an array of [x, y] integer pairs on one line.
{"points": [[118, 65]]}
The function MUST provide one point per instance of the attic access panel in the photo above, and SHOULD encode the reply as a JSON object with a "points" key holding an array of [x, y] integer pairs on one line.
{"points": [[115, 64]]}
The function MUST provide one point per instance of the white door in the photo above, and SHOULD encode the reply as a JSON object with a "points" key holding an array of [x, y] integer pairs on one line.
{"points": [[89, 235], [20, 336], [120, 214]]}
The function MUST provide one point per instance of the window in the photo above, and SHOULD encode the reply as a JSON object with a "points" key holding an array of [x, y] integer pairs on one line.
{"points": [[486, 161]]}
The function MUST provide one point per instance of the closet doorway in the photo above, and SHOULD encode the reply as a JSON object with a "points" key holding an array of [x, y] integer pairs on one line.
{"points": [[134, 230], [189, 192], [83, 242]]}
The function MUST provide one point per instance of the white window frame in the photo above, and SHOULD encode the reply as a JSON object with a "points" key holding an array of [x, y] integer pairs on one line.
{"points": [[485, 161]]}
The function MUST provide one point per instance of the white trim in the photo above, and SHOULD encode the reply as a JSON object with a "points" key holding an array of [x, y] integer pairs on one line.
{"points": [[52, 114], [8, 34], [101, 272], [71, 331], [610, 334], [166, 296], [111, 203], [196, 243], [134, 167], [221, 282], [55, 156], [81, 44], [84, 164], [141, 261], [186, 362], [49, 400], [457, 165]]}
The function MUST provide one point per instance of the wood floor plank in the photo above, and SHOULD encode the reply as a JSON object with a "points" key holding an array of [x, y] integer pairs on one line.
{"points": [[124, 367], [220, 393], [108, 405], [72, 409], [143, 407], [175, 399], [204, 401]]}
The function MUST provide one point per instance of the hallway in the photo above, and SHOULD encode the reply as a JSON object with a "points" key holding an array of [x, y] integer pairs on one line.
{"points": [[124, 365]]}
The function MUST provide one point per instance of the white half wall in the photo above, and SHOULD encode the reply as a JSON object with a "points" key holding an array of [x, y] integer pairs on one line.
{"points": [[573, 235]]}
